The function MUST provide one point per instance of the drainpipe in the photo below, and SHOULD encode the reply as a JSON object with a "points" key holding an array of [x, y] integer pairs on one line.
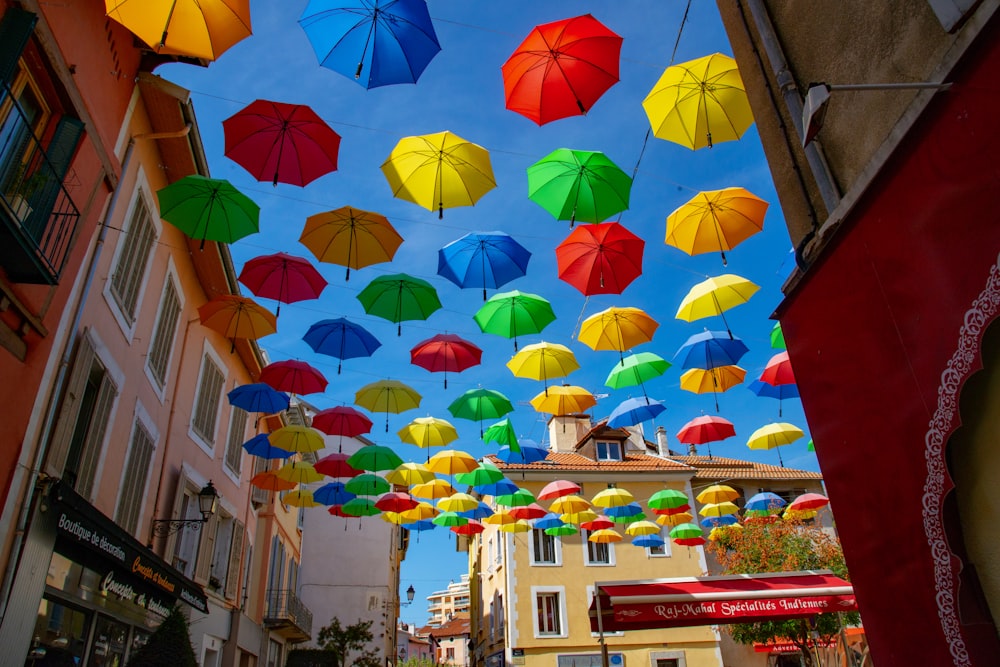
{"points": [[64, 362]]}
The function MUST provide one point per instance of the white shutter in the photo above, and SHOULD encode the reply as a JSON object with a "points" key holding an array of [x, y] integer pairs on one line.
{"points": [[93, 444], [70, 409], [235, 553], [134, 478], [206, 549]]}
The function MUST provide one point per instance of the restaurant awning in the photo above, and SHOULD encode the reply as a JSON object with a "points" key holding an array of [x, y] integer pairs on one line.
{"points": [[742, 598]]}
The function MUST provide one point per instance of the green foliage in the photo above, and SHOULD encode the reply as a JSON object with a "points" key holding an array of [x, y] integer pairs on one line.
{"points": [[168, 646], [342, 641], [419, 662], [310, 657]]}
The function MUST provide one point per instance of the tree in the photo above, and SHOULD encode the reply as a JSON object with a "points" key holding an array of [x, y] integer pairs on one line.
{"points": [[343, 640], [419, 662], [168, 646], [782, 546]]}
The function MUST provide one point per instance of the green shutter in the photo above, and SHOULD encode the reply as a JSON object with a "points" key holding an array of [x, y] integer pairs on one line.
{"points": [[59, 153], [15, 30]]}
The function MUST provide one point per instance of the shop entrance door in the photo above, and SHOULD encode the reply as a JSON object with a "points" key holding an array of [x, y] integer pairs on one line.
{"points": [[108, 646]]}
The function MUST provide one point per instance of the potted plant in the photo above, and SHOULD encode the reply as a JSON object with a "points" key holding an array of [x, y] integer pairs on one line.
{"points": [[23, 186]]}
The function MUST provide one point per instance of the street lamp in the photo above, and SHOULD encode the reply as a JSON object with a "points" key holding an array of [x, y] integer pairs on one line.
{"points": [[409, 597], [208, 502]]}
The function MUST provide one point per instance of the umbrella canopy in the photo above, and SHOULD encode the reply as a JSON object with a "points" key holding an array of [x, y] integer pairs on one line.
{"points": [[685, 531], [333, 493], [208, 209], [764, 501], [667, 499], [569, 504], [518, 526], [439, 171], [635, 411], [629, 509], [717, 493], [258, 397], [485, 473], [617, 329], [582, 518], [298, 472], [500, 487], [519, 498], [342, 420], [597, 523], [719, 521], [269, 481], [559, 488], [237, 317], [613, 497], [282, 277], [435, 488], [561, 69], [422, 510], [445, 352], [550, 520], [514, 313], [642, 528], [779, 391], [374, 42], [450, 519], [777, 337], [360, 507], [197, 28], [297, 439], [563, 400], [452, 462], [281, 143], [600, 259], [715, 221], [636, 369], [374, 458], [562, 531], [778, 370], [718, 509], [367, 484], [674, 519], [261, 447], [501, 433], [419, 525], [457, 502], [714, 296], [648, 541], [543, 361], [295, 377], [336, 465], [473, 527], [705, 429], [396, 501], [428, 432], [605, 536], [525, 455], [530, 512], [399, 298], [480, 404], [483, 259], [300, 498], [579, 185], [409, 474], [772, 436], [699, 103], [388, 396], [341, 339], [718, 379], [809, 501], [351, 238], [710, 349]]}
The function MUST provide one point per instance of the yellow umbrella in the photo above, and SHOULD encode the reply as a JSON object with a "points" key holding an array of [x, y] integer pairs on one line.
{"points": [[617, 329], [452, 462], [458, 502], [715, 221], [428, 432], [519, 526], [613, 497], [564, 400], [605, 536], [500, 518], [298, 439], [799, 515], [543, 361], [718, 531], [409, 474], [387, 396], [642, 528], [576, 518], [715, 296], [435, 488], [569, 505], [197, 28], [420, 512], [718, 509], [298, 472], [300, 498], [717, 493], [439, 171], [772, 436], [350, 237], [718, 379], [699, 103], [395, 518], [674, 519]]}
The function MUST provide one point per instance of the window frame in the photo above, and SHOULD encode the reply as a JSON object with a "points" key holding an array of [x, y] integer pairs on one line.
{"points": [[171, 279], [208, 353], [556, 548], [679, 656], [234, 443], [560, 594], [667, 552], [607, 445], [140, 419], [587, 545]]}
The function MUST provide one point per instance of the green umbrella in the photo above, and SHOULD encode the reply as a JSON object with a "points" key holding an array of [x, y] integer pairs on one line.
{"points": [[810, 447], [578, 185], [480, 404], [374, 458], [208, 209], [668, 499], [399, 298], [520, 498], [560, 531], [685, 531], [628, 519], [502, 433], [486, 473], [450, 519], [514, 313], [636, 369], [360, 507], [367, 484], [777, 337]]}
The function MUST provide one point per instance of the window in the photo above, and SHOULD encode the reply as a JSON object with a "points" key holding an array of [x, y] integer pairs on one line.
{"points": [[544, 548], [206, 405], [597, 553], [609, 451], [133, 258], [668, 659], [449, 653], [951, 12], [548, 617], [234, 446], [661, 551], [219, 567], [587, 660], [162, 342], [493, 618], [133, 488], [500, 616], [274, 654], [667, 662], [186, 544]]}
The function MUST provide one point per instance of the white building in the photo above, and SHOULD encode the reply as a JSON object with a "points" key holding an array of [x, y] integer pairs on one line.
{"points": [[443, 605]]}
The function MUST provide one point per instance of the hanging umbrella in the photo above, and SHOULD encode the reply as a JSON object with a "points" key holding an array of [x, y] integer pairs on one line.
{"points": [[439, 171], [500, 487], [581, 518], [500, 518], [528, 512], [484, 473], [342, 421], [398, 298], [642, 528], [764, 501], [543, 361], [564, 400], [636, 369], [341, 339], [457, 502], [611, 498], [387, 396], [718, 509], [719, 521], [569, 504], [420, 512], [409, 474], [519, 498], [336, 465], [351, 238], [258, 397], [626, 510], [778, 370], [605, 536], [716, 380], [717, 493], [648, 541], [444, 353], [579, 185], [501, 433], [561, 69], [374, 458], [779, 391], [795, 515], [773, 436], [685, 531], [300, 498], [451, 462], [810, 447], [519, 526], [699, 103], [559, 488], [360, 507], [396, 501], [419, 525], [777, 337], [480, 404], [428, 432], [473, 527], [714, 296], [600, 259], [599, 522], [208, 209], [280, 142], [435, 488], [667, 499], [562, 531], [550, 520], [374, 42], [514, 313], [705, 429], [295, 377], [237, 317], [809, 501], [674, 519], [526, 455], [635, 411], [282, 277], [450, 519], [197, 28], [367, 484], [715, 221], [333, 493], [261, 447], [270, 481], [617, 329], [298, 472], [483, 259], [710, 349], [297, 439]]}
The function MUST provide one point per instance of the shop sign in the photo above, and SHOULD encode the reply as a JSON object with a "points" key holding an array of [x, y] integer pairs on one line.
{"points": [[673, 614], [125, 591]]}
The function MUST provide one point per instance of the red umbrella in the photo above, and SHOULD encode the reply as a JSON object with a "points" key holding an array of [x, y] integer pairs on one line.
{"points": [[705, 429], [778, 370], [809, 501], [335, 465], [342, 420], [472, 528], [281, 142], [690, 541], [600, 259], [561, 69], [672, 510], [281, 277], [558, 489], [529, 512], [445, 352], [600, 523], [396, 501], [336, 510], [295, 377]]}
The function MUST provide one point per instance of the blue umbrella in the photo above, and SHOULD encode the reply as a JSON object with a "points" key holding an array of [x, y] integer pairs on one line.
{"points": [[779, 391], [483, 259], [526, 456], [258, 397], [716, 521], [423, 524], [501, 487], [480, 512], [550, 520], [710, 349], [649, 541], [341, 339], [635, 411], [333, 493], [374, 42], [764, 501], [261, 447], [631, 509]]}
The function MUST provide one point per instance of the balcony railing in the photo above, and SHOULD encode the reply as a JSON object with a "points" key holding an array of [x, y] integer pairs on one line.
{"points": [[286, 612], [38, 219]]}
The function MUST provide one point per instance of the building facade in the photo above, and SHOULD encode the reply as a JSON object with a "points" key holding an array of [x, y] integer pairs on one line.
{"points": [[442, 606], [889, 316]]}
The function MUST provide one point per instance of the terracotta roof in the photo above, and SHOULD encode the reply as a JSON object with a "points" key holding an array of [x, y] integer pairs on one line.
{"points": [[453, 628], [633, 462], [723, 468], [601, 428]]}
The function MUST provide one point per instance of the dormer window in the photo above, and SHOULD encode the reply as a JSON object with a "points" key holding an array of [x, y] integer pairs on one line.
{"points": [[609, 451]]}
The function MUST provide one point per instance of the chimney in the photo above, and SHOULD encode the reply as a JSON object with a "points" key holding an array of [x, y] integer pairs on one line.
{"points": [[566, 430], [662, 448]]}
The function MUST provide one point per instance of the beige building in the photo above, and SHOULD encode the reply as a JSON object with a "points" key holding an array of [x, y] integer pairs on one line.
{"points": [[442, 606]]}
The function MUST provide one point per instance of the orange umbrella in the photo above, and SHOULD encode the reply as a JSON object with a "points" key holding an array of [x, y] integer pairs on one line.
{"points": [[350, 237], [237, 317], [269, 481]]}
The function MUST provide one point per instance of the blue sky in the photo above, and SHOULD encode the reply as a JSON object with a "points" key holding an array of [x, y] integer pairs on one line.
{"points": [[462, 91]]}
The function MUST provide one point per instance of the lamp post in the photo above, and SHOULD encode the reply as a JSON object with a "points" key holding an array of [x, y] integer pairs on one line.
{"points": [[409, 597], [208, 502]]}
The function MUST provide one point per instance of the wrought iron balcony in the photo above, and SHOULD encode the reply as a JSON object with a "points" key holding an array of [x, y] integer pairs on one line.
{"points": [[288, 615], [38, 218]]}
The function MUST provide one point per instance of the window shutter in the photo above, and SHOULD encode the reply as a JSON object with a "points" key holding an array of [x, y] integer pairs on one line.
{"points": [[134, 479], [206, 410], [234, 446], [235, 552], [163, 336], [206, 549], [70, 409], [15, 31], [93, 445], [131, 265]]}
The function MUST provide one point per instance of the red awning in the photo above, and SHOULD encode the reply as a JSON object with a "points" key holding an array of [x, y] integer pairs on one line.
{"points": [[686, 601]]}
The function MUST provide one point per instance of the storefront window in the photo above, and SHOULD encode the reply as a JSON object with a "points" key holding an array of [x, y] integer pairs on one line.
{"points": [[110, 640], [60, 636]]}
